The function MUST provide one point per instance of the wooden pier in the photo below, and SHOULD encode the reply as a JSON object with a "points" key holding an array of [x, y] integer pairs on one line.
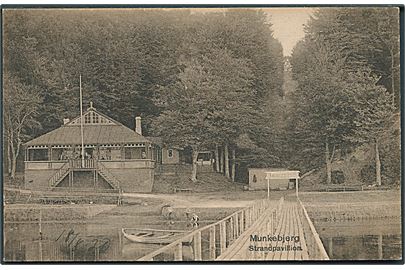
{"points": [[267, 230]]}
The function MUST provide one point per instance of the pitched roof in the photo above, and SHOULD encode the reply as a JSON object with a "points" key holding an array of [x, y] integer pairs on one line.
{"points": [[156, 140], [159, 141], [97, 129]]}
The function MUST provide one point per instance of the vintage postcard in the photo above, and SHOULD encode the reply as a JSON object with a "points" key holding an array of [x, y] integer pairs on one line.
{"points": [[201, 134]]}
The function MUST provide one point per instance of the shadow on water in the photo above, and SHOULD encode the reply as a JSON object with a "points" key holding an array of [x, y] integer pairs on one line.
{"points": [[69, 242], [103, 241], [96, 239], [74, 242], [361, 240]]}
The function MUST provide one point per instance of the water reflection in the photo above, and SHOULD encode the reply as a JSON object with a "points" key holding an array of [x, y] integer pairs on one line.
{"points": [[365, 240], [74, 242], [60, 242]]}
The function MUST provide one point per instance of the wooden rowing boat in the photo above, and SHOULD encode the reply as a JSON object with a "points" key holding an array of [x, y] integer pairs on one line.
{"points": [[153, 236]]}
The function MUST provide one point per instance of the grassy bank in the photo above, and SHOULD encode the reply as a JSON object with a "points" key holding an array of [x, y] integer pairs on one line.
{"points": [[36, 212], [332, 206]]}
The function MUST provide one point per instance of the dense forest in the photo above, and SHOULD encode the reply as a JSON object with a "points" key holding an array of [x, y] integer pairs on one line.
{"points": [[212, 80], [347, 71]]}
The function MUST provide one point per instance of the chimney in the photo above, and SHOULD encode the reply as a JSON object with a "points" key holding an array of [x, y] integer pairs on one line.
{"points": [[138, 127], [66, 120]]}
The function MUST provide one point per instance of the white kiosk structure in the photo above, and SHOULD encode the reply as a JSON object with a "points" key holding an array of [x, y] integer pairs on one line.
{"points": [[282, 175]]}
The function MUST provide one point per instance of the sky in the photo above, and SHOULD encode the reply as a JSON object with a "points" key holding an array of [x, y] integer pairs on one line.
{"points": [[288, 25]]}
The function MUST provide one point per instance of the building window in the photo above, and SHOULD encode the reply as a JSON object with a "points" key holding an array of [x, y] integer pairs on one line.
{"points": [[254, 179], [95, 118], [38, 154], [170, 153], [87, 119]]}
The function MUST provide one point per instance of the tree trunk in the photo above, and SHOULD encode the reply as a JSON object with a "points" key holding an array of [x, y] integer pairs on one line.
{"points": [[217, 158], [221, 159], [15, 153], [392, 78], [226, 153], [12, 150], [8, 157], [13, 167], [194, 170], [328, 165], [233, 164], [377, 164]]}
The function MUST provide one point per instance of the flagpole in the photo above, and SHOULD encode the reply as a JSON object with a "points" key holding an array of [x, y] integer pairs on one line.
{"points": [[81, 119]]}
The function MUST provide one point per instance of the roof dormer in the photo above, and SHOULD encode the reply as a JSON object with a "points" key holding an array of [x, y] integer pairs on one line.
{"points": [[92, 117]]}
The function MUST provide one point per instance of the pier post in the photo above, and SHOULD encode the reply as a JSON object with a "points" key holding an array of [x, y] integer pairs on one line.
{"points": [[330, 247], [222, 236], [380, 250], [120, 245], [197, 246], [236, 226], [178, 252], [212, 248], [241, 222], [247, 215], [232, 234]]}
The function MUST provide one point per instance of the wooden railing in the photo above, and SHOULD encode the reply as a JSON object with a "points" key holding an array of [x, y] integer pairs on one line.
{"points": [[316, 250], [82, 164], [211, 241], [264, 225], [58, 176], [108, 176]]}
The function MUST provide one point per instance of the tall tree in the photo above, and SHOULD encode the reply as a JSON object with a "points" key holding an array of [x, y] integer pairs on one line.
{"points": [[365, 37], [186, 107], [126, 60], [322, 109], [374, 114], [340, 46], [21, 106]]}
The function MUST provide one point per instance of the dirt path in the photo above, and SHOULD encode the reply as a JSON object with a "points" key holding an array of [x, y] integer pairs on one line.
{"points": [[207, 200]]}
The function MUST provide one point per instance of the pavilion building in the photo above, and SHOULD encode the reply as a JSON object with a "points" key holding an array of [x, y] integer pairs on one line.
{"points": [[115, 156]]}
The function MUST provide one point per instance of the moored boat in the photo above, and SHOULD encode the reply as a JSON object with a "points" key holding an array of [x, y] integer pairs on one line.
{"points": [[154, 236]]}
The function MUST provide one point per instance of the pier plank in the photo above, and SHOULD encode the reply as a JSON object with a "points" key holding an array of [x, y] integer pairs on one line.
{"points": [[279, 229], [304, 252], [288, 218], [242, 243]]}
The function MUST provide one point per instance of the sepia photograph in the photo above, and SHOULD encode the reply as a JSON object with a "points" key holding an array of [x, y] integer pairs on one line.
{"points": [[201, 134]]}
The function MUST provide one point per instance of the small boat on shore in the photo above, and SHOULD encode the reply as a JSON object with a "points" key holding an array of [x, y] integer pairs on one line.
{"points": [[154, 236]]}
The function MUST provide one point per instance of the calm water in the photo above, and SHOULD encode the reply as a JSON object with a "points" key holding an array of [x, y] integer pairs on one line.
{"points": [[78, 242], [70, 241], [361, 240]]}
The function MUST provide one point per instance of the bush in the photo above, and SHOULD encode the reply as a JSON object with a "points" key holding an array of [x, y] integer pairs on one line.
{"points": [[367, 174], [338, 177], [391, 163]]}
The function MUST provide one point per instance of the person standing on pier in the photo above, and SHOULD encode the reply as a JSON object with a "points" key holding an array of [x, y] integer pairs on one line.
{"points": [[193, 219]]}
